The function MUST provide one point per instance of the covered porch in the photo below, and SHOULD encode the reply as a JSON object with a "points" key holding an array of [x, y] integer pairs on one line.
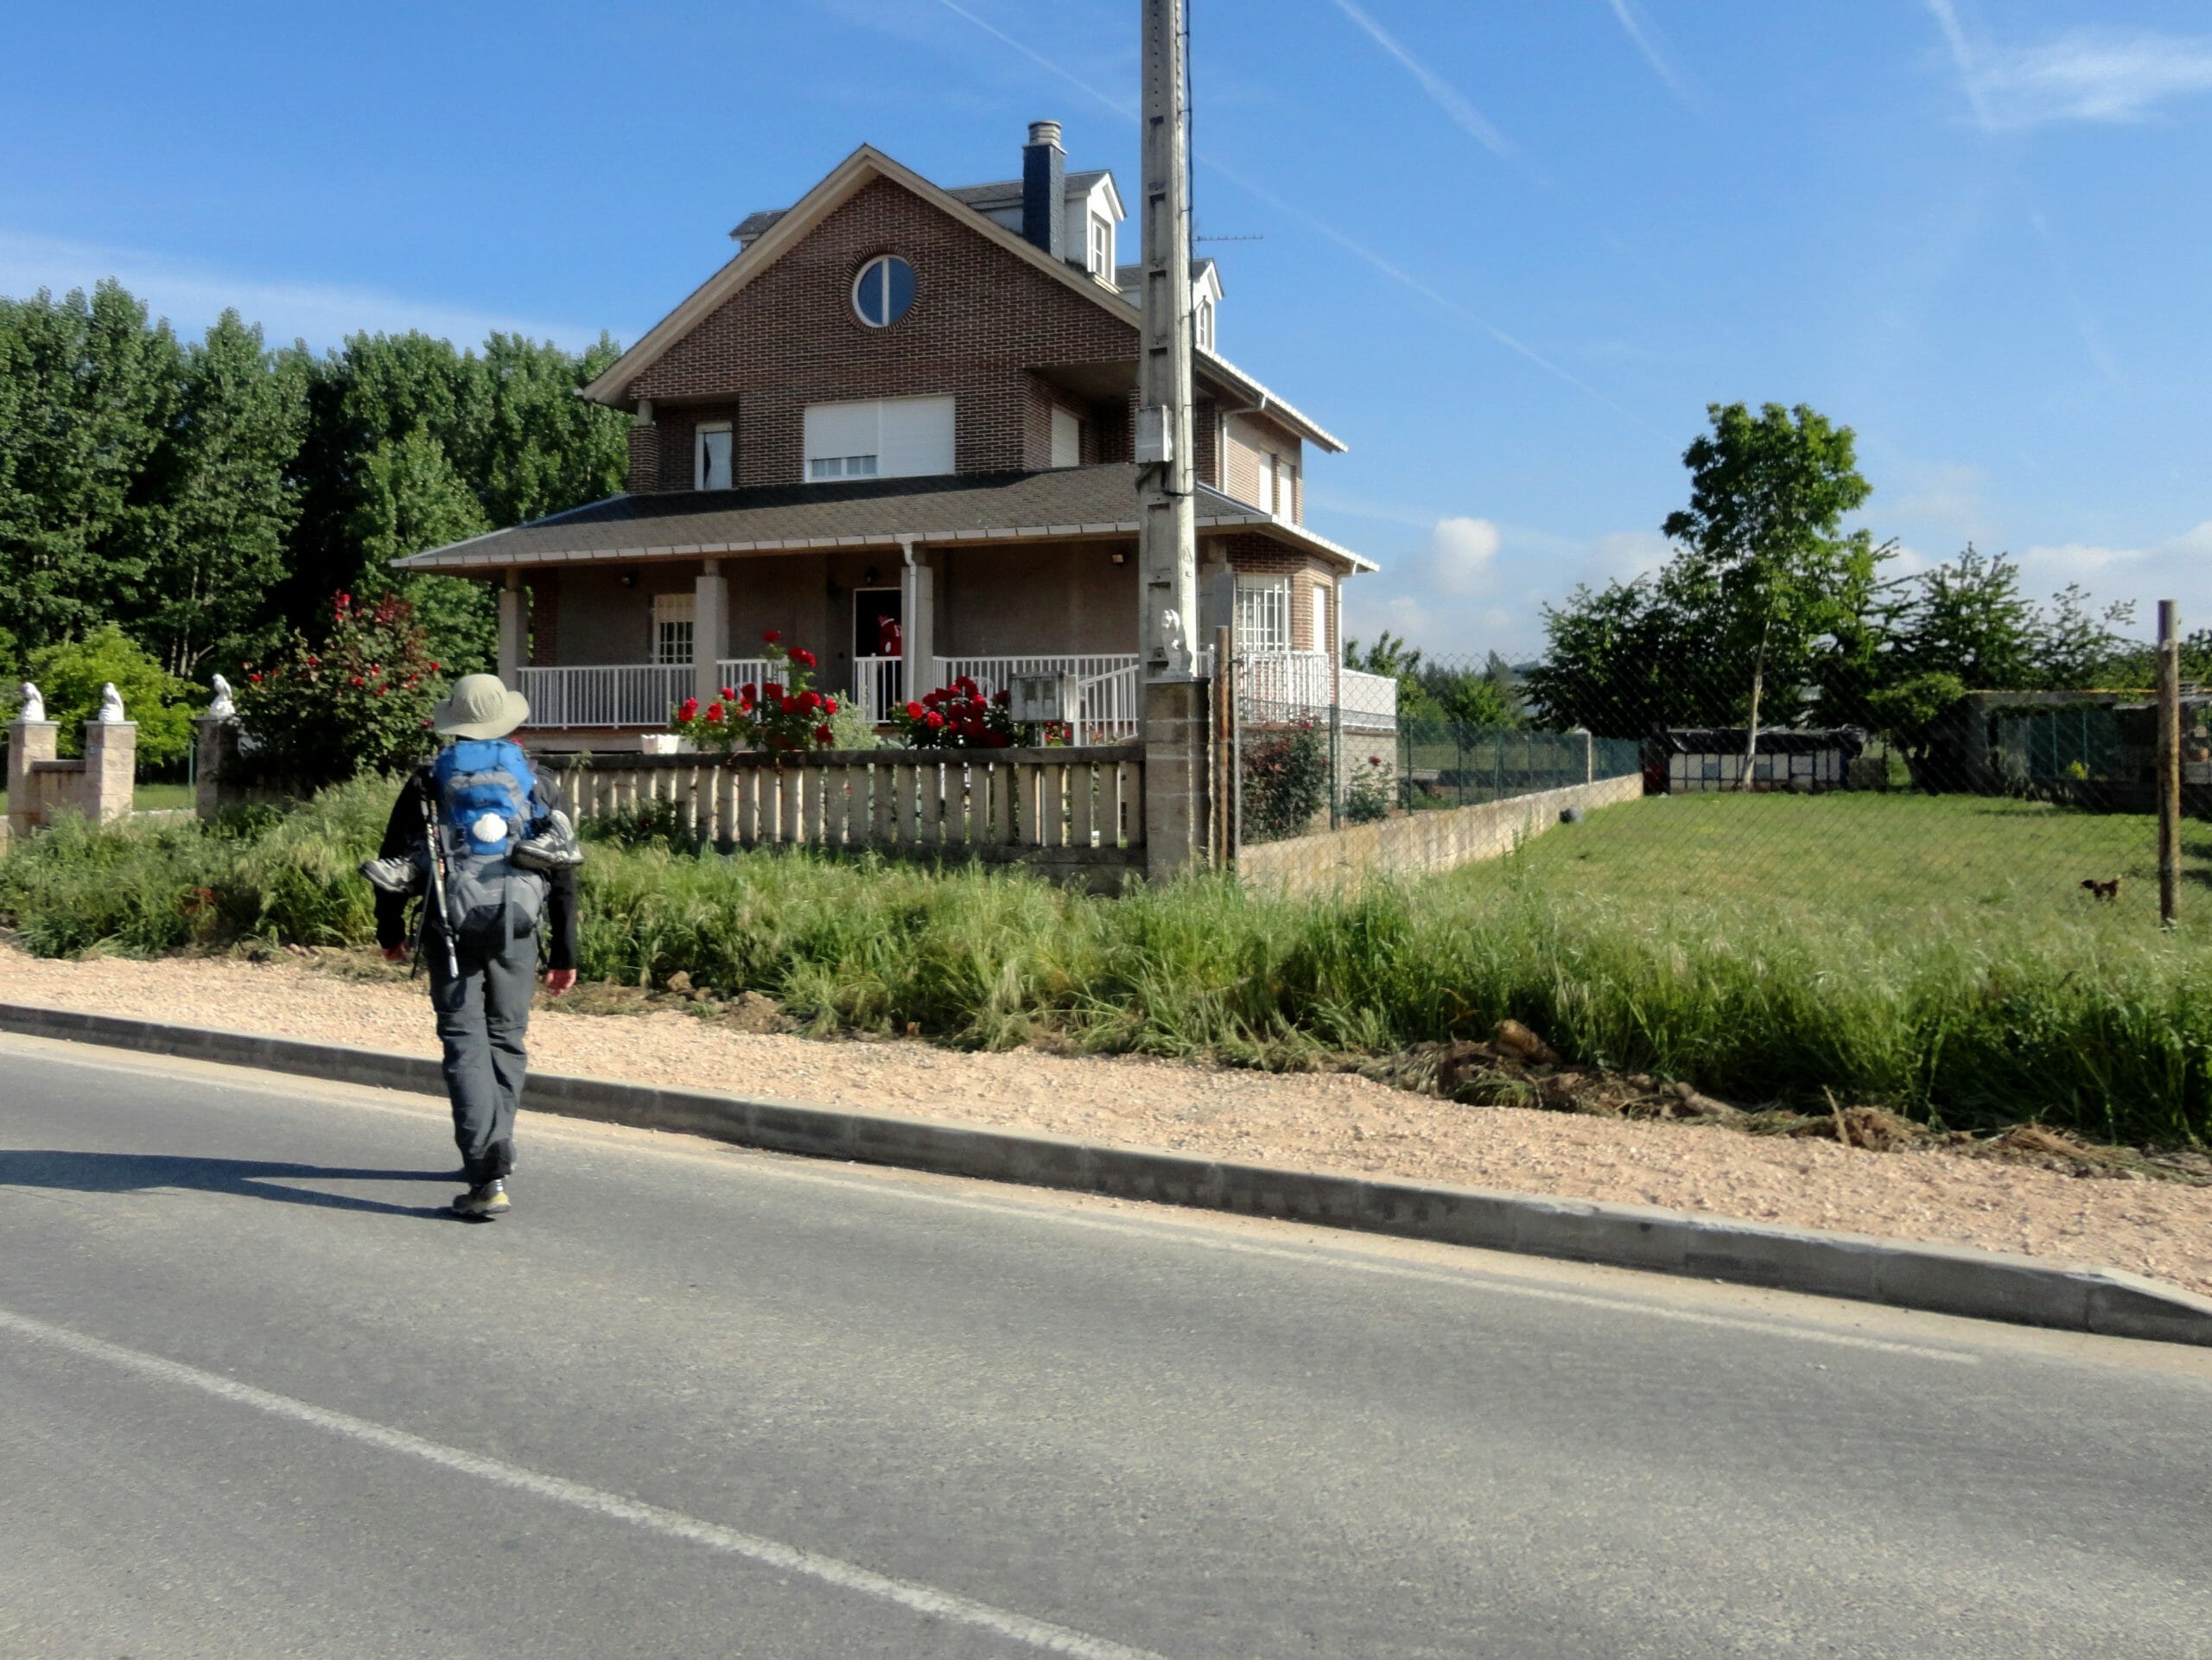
{"points": [[612, 615]]}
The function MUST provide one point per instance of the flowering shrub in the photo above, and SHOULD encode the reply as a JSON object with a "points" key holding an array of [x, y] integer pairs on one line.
{"points": [[359, 702], [785, 714], [959, 717], [1371, 791], [1286, 782]]}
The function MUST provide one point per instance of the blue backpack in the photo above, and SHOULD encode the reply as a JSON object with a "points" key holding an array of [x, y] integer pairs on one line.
{"points": [[485, 798]]}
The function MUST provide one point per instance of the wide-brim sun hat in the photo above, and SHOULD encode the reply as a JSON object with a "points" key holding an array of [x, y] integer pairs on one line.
{"points": [[479, 706]]}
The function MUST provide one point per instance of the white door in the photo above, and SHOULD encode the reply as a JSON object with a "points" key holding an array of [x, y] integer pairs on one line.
{"points": [[1067, 439]]}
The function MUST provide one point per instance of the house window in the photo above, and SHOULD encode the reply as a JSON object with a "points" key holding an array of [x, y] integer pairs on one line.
{"points": [[673, 615], [1202, 325], [710, 467], [1067, 439], [1263, 615], [1101, 247], [1324, 632], [890, 437], [1265, 462], [1286, 488], [883, 290]]}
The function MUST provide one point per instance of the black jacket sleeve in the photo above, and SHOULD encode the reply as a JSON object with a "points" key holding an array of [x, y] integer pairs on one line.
{"points": [[402, 835]]}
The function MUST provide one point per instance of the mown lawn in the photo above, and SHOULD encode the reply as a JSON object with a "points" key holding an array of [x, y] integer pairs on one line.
{"points": [[1911, 863], [147, 797]]}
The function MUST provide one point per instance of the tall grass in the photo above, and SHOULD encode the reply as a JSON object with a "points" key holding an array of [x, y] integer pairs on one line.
{"points": [[2072, 1019]]}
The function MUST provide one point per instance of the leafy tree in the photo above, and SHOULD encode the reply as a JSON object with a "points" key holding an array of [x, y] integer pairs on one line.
{"points": [[1615, 662], [225, 498], [2078, 646], [410, 498], [1433, 693], [85, 386], [1967, 619], [1764, 562], [71, 673], [1906, 714]]}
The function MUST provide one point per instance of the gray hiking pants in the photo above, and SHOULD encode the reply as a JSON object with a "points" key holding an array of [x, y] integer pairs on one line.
{"points": [[483, 1018]]}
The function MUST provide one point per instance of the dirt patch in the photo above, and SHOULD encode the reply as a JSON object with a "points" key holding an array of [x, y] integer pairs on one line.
{"points": [[1643, 1142]]}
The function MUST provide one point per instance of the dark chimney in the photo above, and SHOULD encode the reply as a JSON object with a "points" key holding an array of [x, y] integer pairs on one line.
{"points": [[1043, 189]]}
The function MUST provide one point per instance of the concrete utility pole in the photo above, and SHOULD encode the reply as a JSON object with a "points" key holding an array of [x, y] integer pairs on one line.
{"points": [[2168, 762], [1175, 707]]}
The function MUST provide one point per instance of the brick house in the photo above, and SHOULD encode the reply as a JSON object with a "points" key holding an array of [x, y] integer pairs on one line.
{"points": [[898, 427]]}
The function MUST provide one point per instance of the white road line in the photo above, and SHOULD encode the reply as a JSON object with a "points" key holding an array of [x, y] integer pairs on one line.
{"points": [[1184, 1222], [790, 1559]]}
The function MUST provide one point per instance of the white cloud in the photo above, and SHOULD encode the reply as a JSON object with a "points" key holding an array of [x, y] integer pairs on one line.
{"points": [[192, 295], [1461, 555], [1947, 495], [2179, 568], [2085, 74], [1622, 556]]}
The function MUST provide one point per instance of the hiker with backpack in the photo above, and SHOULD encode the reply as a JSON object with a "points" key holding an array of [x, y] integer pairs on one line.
{"points": [[474, 835]]}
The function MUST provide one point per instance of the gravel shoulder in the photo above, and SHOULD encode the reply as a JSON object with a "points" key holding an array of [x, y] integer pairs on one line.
{"points": [[1322, 1121]]}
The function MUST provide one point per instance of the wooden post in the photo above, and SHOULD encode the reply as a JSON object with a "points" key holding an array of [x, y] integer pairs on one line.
{"points": [[2168, 762], [1223, 818]]}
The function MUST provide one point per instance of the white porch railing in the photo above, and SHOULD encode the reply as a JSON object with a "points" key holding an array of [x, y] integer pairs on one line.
{"points": [[737, 672], [613, 694], [879, 686], [1109, 690]]}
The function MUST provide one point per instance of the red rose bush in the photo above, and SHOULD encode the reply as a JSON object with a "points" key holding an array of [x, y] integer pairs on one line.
{"points": [[784, 713]]}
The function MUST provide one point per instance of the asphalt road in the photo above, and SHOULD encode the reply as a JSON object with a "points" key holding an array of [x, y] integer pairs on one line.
{"points": [[258, 1398]]}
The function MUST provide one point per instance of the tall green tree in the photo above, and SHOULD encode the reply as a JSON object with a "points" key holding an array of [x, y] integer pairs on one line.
{"points": [[86, 388], [225, 499], [410, 498], [1967, 619], [1763, 555], [1622, 660]]}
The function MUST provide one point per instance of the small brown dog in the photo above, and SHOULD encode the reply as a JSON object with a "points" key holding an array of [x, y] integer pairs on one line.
{"points": [[2103, 890]]}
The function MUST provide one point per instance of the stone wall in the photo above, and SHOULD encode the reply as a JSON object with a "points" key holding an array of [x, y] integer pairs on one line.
{"points": [[1420, 843]]}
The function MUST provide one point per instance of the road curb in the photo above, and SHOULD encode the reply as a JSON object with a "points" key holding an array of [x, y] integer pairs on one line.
{"points": [[1947, 1280]]}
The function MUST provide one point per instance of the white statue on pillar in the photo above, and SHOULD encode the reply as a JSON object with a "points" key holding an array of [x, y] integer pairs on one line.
{"points": [[110, 705], [222, 709], [34, 707]]}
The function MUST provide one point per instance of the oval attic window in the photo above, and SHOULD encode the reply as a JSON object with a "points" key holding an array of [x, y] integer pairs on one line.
{"points": [[883, 290]]}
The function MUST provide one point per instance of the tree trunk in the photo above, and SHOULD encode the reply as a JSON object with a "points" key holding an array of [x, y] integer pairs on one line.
{"points": [[1751, 738]]}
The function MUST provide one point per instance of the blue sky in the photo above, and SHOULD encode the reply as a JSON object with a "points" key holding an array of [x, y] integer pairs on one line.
{"points": [[1507, 250]]}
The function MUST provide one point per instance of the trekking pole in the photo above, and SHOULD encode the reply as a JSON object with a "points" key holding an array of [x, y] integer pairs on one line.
{"points": [[436, 845]]}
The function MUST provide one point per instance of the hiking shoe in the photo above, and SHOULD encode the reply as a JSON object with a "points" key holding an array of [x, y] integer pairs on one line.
{"points": [[553, 848], [402, 876], [482, 1203]]}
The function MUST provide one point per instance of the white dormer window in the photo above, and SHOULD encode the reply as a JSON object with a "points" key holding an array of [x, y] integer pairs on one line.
{"points": [[1101, 247], [710, 460], [1202, 324]]}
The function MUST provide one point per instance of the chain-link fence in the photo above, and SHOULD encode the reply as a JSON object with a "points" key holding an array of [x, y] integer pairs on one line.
{"points": [[1908, 802]]}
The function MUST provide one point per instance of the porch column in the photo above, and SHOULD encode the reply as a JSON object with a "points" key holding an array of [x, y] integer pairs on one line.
{"points": [[917, 585], [709, 630], [514, 628]]}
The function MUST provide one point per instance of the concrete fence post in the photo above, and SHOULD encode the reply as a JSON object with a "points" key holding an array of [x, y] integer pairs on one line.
{"points": [[216, 741], [28, 743], [110, 769]]}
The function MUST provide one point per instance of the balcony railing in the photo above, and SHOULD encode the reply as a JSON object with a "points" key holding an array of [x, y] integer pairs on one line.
{"points": [[1109, 689], [615, 694]]}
